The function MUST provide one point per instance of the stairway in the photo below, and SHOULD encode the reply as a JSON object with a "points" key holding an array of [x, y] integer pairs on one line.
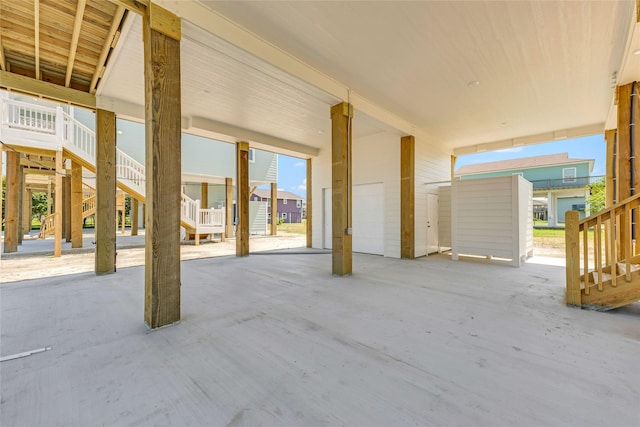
{"points": [[604, 247], [51, 128]]}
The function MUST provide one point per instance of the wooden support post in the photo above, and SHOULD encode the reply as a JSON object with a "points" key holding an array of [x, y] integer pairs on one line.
{"points": [[453, 166], [134, 216], [21, 198], [624, 150], [242, 200], [27, 208], [309, 205], [48, 195], [274, 208], [161, 35], [12, 202], [407, 197], [66, 208], [341, 115], [228, 184], [204, 195], [76, 204], [610, 140], [105, 225], [572, 242], [57, 246]]}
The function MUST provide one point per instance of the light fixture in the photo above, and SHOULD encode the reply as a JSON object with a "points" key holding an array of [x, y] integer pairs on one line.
{"points": [[636, 52], [119, 132], [473, 83]]}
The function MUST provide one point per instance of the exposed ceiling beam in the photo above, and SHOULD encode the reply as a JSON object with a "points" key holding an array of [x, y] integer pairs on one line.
{"points": [[531, 139], [110, 41], [74, 40], [3, 65], [136, 6], [36, 27], [52, 91]]}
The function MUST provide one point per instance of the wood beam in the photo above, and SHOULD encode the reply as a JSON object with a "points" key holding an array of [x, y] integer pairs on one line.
{"points": [[66, 209], [105, 258], [57, 245], [76, 205], [228, 183], [52, 91], [204, 195], [3, 60], [36, 36], [242, 199], [624, 148], [163, 136], [341, 207], [407, 197], [75, 36], [134, 216], [21, 205], [110, 41], [27, 209], [309, 210], [135, 6], [12, 202], [274, 208], [610, 140]]}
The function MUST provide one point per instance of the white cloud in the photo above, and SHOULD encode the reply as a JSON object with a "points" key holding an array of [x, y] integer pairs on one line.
{"points": [[303, 186], [299, 164]]}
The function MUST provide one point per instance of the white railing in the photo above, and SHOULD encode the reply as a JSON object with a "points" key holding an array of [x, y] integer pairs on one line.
{"points": [[77, 137], [35, 118], [131, 171], [211, 220], [189, 210]]}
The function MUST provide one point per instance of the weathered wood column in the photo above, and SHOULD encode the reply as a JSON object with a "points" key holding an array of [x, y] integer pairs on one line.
{"points": [[610, 180], [341, 115], [57, 220], [66, 208], [572, 245], [407, 197], [12, 202], [242, 200], [228, 184], [274, 208], [21, 205], [27, 208], [204, 195], [309, 206], [105, 192], [76, 204], [134, 216], [161, 35]]}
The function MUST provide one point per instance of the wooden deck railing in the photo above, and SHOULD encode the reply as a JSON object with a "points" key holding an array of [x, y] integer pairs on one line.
{"points": [[602, 258], [47, 225]]}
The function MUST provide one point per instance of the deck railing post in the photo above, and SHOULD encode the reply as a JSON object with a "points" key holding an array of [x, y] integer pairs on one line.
{"points": [[572, 241]]}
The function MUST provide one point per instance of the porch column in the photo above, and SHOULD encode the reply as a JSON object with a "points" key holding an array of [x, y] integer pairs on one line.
{"points": [[27, 208], [12, 202], [105, 224], [76, 204], [407, 196], [228, 204], [610, 180], [48, 195], [134, 216], [341, 115], [21, 200], [242, 199], [204, 195], [161, 35], [57, 221], [274, 208], [66, 208], [309, 206]]}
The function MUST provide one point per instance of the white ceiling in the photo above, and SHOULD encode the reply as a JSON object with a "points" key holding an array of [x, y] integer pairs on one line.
{"points": [[543, 68]]}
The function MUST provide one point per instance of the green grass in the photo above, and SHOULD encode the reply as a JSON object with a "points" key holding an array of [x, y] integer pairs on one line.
{"points": [[295, 228], [548, 232]]}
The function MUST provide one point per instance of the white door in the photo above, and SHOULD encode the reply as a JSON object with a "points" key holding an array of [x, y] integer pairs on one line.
{"points": [[432, 224], [368, 218]]}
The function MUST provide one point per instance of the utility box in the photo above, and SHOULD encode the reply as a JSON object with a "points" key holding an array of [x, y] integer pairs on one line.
{"points": [[492, 217]]}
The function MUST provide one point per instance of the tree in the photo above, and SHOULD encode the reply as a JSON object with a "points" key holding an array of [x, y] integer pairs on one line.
{"points": [[597, 199]]}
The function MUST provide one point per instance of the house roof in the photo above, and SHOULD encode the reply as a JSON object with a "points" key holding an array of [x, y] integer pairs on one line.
{"points": [[522, 163], [266, 194]]}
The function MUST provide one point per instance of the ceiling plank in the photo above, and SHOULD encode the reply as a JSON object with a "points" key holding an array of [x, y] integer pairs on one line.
{"points": [[48, 90], [36, 27], [108, 45], [74, 40], [3, 65], [136, 6]]}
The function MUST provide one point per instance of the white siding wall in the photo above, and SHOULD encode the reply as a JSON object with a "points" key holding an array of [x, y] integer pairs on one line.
{"points": [[433, 164], [375, 159], [444, 216]]}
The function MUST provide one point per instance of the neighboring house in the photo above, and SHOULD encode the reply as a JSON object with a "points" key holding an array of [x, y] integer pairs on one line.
{"points": [[560, 180], [289, 204]]}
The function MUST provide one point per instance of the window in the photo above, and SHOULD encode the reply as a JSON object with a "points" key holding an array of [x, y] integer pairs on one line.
{"points": [[284, 215], [298, 204], [252, 155], [569, 175], [284, 201]]}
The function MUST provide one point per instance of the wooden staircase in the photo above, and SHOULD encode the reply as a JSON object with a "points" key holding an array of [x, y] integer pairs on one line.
{"points": [[604, 247]]}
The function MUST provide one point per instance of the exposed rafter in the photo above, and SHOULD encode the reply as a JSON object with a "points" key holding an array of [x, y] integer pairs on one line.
{"points": [[110, 42], [137, 6], [48, 90], [36, 27], [74, 40], [3, 63]]}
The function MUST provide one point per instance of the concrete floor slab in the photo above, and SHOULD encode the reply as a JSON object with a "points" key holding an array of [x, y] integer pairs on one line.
{"points": [[276, 340]]}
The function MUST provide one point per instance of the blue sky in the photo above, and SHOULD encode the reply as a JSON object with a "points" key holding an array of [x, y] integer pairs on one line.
{"points": [[292, 172]]}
